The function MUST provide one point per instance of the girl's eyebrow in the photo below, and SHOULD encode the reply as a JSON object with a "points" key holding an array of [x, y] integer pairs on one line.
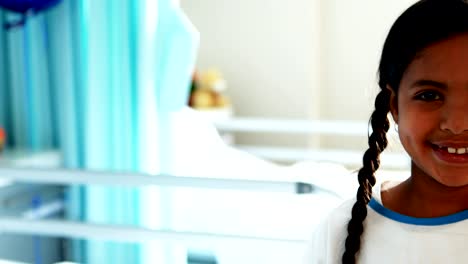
{"points": [[433, 83]]}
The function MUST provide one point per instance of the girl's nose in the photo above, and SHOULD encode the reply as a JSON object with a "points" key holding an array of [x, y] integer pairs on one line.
{"points": [[455, 116]]}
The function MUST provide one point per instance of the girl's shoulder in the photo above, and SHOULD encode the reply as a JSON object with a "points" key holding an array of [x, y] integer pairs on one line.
{"points": [[327, 240], [383, 229]]}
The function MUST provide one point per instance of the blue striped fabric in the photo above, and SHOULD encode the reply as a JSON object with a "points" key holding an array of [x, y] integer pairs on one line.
{"points": [[97, 79]]}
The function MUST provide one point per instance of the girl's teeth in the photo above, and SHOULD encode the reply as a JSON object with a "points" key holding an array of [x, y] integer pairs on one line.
{"points": [[457, 150]]}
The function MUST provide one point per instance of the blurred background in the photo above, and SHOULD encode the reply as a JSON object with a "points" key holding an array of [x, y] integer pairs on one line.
{"points": [[165, 131]]}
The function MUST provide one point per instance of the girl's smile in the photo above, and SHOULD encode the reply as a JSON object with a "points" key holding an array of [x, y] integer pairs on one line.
{"points": [[455, 153]]}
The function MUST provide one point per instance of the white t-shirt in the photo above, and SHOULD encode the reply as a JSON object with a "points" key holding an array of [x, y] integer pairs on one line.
{"points": [[390, 237]]}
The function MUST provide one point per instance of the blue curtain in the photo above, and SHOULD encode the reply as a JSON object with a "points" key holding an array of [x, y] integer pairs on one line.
{"points": [[98, 80]]}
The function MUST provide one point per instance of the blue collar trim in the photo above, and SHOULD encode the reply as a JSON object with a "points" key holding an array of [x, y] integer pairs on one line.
{"points": [[432, 221]]}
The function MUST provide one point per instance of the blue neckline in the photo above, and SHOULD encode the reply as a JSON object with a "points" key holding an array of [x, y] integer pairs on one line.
{"points": [[432, 221]]}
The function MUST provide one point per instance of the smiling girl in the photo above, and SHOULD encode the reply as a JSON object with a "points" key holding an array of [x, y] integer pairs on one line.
{"points": [[423, 79]]}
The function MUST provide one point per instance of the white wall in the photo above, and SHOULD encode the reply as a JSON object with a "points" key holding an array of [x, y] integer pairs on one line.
{"points": [[297, 58], [353, 33], [268, 52]]}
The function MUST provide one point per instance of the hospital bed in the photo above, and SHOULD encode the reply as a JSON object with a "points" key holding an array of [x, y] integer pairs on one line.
{"points": [[259, 204]]}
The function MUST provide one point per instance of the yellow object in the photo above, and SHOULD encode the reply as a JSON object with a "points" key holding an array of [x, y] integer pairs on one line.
{"points": [[210, 86], [203, 99], [211, 80]]}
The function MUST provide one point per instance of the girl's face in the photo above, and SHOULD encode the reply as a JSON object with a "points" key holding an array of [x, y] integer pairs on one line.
{"points": [[431, 111]]}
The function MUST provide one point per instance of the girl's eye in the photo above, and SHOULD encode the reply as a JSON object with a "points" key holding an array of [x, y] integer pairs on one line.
{"points": [[428, 96]]}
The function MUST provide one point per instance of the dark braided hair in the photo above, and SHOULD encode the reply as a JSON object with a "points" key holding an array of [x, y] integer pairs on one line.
{"points": [[424, 23]]}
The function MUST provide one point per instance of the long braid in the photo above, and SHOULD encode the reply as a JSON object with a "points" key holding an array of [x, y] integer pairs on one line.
{"points": [[371, 162]]}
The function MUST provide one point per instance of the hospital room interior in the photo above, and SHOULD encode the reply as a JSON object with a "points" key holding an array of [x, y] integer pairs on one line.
{"points": [[183, 132]]}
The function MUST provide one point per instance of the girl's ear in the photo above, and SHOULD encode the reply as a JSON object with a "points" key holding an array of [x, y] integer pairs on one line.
{"points": [[393, 104]]}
